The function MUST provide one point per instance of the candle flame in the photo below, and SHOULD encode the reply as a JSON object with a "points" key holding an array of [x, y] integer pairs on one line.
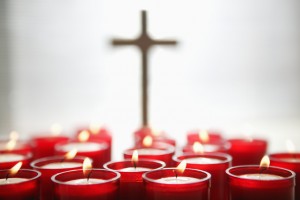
{"points": [[290, 146], [95, 127], [10, 145], [87, 166], [56, 129], [198, 147], [155, 133], [135, 156], [181, 167], [203, 136], [71, 154], [15, 168], [83, 136], [147, 141], [14, 135], [265, 162]]}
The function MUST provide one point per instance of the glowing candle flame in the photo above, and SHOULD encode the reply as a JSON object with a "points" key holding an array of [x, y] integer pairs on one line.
{"points": [[181, 167], [155, 133], [290, 146], [83, 136], [71, 154], [14, 135], [203, 136], [198, 147], [15, 168], [56, 129], [95, 127], [265, 162], [147, 141], [87, 166], [135, 158], [10, 145]]}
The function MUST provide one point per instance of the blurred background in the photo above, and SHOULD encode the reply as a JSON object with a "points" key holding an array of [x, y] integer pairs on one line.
{"points": [[236, 68]]}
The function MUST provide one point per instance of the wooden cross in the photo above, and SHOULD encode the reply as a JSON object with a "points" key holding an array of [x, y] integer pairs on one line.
{"points": [[144, 43]]}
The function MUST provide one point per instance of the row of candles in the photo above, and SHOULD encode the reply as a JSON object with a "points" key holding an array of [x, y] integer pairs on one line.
{"points": [[208, 167]]}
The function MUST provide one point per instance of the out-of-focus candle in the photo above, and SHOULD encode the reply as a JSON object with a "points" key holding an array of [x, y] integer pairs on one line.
{"points": [[197, 147], [175, 183], [213, 163], [8, 160], [204, 137]]}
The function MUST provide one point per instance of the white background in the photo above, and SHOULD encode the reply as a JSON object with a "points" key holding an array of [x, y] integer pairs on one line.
{"points": [[236, 67]]}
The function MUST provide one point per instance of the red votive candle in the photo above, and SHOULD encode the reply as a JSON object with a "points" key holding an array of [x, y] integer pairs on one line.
{"points": [[24, 185], [250, 182], [157, 151], [289, 161], [15, 146], [94, 150], [49, 166], [158, 136], [164, 185], [247, 152], [74, 185], [8, 160], [44, 146], [221, 147], [204, 136], [131, 182], [215, 164]]}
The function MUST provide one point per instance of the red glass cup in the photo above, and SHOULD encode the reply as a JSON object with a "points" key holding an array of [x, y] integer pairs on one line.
{"points": [[221, 147], [289, 161], [106, 189], [131, 182], [161, 136], [247, 152], [94, 150], [213, 137], [241, 188], [8, 160], [213, 163], [191, 184], [44, 146], [21, 147], [157, 151], [46, 185], [24, 190]]}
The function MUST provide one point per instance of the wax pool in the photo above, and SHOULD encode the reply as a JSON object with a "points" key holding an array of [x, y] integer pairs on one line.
{"points": [[131, 185], [250, 182], [163, 184], [23, 185], [73, 185], [213, 163]]}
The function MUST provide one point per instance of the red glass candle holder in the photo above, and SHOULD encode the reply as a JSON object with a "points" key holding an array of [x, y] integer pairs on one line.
{"points": [[8, 160], [46, 185], [101, 135], [221, 147], [94, 150], [28, 189], [241, 188], [213, 137], [21, 147], [213, 163], [131, 182], [197, 188], [157, 151], [247, 152], [44, 146], [140, 134], [289, 161], [107, 189]]}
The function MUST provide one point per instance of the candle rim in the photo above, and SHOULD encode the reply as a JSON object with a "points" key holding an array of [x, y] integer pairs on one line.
{"points": [[163, 164], [26, 156], [118, 176], [103, 145], [207, 178], [274, 157], [228, 158], [292, 174], [253, 140], [38, 174], [168, 150], [54, 158]]}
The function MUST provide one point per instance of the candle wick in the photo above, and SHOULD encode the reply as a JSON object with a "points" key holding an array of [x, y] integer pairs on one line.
{"points": [[89, 175], [7, 176], [134, 164], [262, 169], [175, 172]]}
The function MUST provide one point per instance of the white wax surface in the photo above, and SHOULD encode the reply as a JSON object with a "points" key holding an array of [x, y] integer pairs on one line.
{"points": [[296, 160], [84, 181], [150, 151], [210, 147], [62, 165], [3, 181], [10, 157], [261, 176], [82, 146], [201, 160], [137, 169], [178, 180]]}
